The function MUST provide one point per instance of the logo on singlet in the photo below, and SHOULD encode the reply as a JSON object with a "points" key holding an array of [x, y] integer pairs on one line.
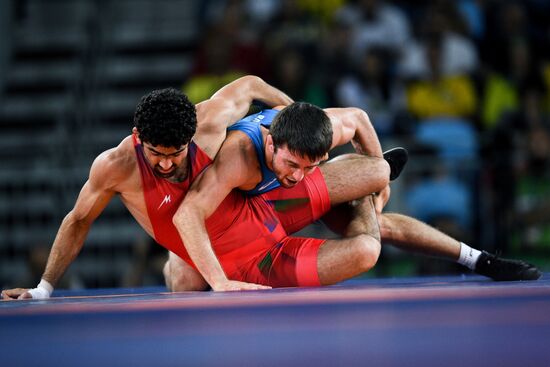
{"points": [[166, 200], [259, 118]]}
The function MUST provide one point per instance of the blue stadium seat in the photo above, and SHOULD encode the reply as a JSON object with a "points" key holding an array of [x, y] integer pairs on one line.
{"points": [[455, 139]]}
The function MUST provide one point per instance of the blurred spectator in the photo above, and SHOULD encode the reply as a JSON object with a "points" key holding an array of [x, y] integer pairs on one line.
{"points": [[532, 205], [334, 57], [261, 11], [291, 75], [292, 25], [373, 89], [518, 158], [532, 215], [458, 54], [507, 24], [212, 69], [376, 24], [502, 91], [440, 93], [228, 50]]}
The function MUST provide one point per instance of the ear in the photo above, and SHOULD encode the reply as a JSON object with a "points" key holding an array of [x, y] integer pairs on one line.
{"points": [[269, 143], [136, 133]]}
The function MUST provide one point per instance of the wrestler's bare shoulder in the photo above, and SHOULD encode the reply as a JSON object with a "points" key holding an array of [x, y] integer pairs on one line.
{"points": [[240, 154], [117, 165]]}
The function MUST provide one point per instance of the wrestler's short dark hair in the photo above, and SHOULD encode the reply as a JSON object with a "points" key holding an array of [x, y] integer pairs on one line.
{"points": [[304, 128], [165, 117]]}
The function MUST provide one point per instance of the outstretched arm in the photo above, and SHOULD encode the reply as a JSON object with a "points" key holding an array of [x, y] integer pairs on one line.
{"points": [[70, 237], [202, 199], [353, 124], [230, 104]]}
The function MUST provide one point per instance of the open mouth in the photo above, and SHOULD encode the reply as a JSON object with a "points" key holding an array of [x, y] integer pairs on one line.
{"points": [[291, 182]]}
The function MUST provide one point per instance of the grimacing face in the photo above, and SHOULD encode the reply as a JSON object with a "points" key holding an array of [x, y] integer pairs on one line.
{"points": [[291, 168], [165, 161]]}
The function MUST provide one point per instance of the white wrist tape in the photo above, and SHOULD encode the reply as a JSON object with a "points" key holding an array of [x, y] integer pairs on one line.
{"points": [[42, 291]]}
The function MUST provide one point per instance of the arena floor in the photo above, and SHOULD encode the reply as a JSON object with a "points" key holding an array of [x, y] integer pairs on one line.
{"points": [[445, 321]]}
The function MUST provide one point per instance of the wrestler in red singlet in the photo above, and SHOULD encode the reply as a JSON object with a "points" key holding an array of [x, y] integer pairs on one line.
{"points": [[245, 232]]}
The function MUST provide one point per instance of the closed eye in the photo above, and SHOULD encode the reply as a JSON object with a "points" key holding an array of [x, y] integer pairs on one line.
{"points": [[292, 164]]}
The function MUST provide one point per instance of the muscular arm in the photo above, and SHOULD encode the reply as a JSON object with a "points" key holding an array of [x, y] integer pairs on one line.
{"points": [[230, 170], [75, 226], [230, 104], [353, 124], [93, 198]]}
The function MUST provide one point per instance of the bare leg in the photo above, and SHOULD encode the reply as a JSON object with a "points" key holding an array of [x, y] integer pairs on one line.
{"points": [[411, 234], [353, 176], [401, 231], [180, 277], [345, 258]]}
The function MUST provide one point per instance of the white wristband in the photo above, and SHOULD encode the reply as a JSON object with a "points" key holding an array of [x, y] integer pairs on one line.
{"points": [[42, 291]]}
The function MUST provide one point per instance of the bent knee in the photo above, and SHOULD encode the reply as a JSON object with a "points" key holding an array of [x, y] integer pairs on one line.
{"points": [[181, 278], [368, 251], [382, 174]]}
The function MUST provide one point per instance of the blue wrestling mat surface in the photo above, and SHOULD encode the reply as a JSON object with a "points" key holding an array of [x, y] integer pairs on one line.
{"points": [[447, 321]]}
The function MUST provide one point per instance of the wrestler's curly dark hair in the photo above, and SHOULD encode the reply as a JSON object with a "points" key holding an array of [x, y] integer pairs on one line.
{"points": [[165, 117], [304, 128]]}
